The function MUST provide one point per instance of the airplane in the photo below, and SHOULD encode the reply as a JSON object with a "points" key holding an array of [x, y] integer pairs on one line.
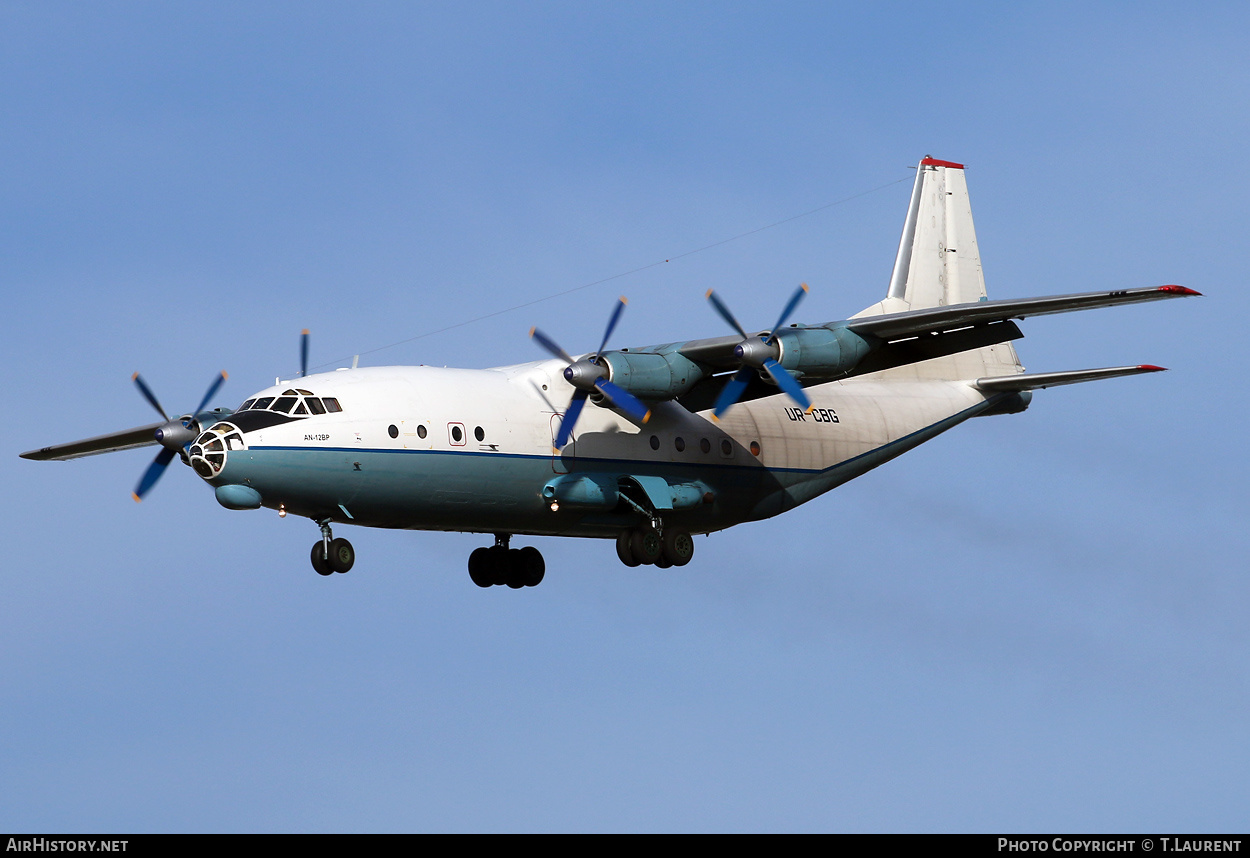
{"points": [[644, 446]]}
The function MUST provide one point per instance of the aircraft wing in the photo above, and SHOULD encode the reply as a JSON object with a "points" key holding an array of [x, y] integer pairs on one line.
{"points": [[1035, 380], [912, 323], [142, 436]]}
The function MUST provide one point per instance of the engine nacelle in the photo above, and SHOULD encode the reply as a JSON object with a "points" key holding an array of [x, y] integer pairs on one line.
{"points": [[652, 376], [825, 352]]}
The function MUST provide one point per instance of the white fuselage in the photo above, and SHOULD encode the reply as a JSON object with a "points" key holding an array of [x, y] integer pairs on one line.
{"points": [[459, 449]]}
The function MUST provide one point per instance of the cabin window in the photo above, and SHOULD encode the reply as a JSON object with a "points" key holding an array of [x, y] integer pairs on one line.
{"points": [[392, 430], [263, 403], [332, 404], [726, 448], [315, 406], [705, 445], [655, 442], [479, 433], [755, 448], [455, 431], [421, 433], [679, 443], [284, 404]]}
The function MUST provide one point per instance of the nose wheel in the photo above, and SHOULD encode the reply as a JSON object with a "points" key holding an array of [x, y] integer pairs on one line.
{"points": [[330, 555]]}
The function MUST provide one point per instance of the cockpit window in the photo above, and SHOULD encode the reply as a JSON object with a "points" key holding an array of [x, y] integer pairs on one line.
{"points": [[298, 403]]}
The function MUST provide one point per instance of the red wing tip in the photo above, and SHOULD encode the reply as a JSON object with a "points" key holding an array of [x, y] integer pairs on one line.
{"points": [[934, 162], [1149, 367], [1179, 290]]}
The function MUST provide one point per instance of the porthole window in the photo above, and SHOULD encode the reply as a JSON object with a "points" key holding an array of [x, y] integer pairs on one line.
{"points": [[392, 430], [680, 444], [726, 448], [479, 433], [420, 431], [705, 445], [655, 442], [456, 434], [755, 448]]}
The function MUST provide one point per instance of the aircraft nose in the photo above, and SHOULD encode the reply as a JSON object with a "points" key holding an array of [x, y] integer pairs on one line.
{"points": [[209, 451]]}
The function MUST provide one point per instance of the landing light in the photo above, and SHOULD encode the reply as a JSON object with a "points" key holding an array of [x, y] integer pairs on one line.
{"points": [[281, 510], [555, 506]]}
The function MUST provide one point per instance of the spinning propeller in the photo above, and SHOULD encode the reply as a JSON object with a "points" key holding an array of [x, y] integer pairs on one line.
{"points": [[591, 375], [173, 435], [759, 354]]}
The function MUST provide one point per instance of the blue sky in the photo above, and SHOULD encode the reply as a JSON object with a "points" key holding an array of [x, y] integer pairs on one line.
{"points": [[1033, 623]]}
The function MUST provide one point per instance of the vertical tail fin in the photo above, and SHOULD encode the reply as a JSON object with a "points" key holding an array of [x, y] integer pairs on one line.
{"points": [[938, 262]]}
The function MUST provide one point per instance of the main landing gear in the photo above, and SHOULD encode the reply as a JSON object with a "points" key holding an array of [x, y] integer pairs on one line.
{"points": [[499, 564], [330, 555], [652, 546]]}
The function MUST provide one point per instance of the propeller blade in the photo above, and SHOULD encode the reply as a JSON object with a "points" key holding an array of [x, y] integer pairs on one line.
{"points": [[153, 473], [149, 395], [616, 317], [785, 314], [212, 389], [788, 383], [550, 345], [624, 400], [725, 314], [303, 353], [732, 390], [569, 420]]}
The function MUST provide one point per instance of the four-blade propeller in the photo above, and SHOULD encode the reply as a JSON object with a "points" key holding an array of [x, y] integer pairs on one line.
{"points": [[590, 374], [759, 354], [173, 435]]}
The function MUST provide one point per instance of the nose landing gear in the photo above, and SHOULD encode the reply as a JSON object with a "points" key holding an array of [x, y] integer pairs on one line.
{"points": [[330, 555], [513, 567]]}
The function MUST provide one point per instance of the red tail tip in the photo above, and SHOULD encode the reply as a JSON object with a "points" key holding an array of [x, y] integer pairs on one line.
{"points": [[934, 162]]}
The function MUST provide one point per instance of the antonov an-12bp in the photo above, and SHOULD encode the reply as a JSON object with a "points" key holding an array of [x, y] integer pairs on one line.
{"points": [[645, 446]]}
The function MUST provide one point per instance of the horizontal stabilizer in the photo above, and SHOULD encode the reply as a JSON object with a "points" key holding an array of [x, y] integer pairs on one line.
{"points": [[142, 436], [937, 319], [1035, 380]]}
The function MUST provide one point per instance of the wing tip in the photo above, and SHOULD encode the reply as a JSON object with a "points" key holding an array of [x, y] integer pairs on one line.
{"points": [[1179, 290], [1150, 367]]}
